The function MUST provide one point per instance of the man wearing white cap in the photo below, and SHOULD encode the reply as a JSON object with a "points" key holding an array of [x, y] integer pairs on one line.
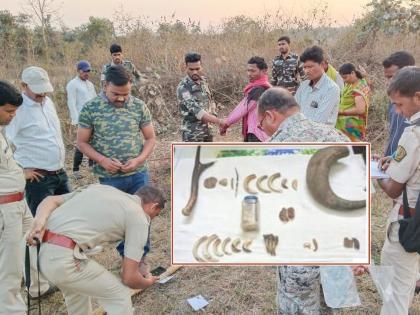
{"points": [[36, 134], [79, 91]]}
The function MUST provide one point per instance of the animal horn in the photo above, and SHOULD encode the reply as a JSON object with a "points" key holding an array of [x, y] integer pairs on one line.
{"points": [[198, 169], [317, 179]]}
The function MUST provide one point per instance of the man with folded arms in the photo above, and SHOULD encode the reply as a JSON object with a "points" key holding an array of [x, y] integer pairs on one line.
{"points": [[36, 134]]}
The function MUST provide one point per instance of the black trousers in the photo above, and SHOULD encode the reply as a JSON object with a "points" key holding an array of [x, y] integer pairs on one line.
{"points": [[78, 159], [49, 185]]}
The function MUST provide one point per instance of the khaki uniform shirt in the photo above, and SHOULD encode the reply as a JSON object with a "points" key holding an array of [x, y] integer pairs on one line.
{"points": [[12, 178], [101, 214], [405, 164]]}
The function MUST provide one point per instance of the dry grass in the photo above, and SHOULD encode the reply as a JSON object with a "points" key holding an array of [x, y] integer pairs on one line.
{"points": [[230, 290]]}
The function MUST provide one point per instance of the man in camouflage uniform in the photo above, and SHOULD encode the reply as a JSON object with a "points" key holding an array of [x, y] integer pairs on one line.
{"points": [[111, 128], [287, 70], [117, 59], [299, 291], [198, 108]]}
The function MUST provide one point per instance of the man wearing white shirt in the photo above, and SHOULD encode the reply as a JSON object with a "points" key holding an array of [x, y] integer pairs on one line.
{"points": [[35, 131], [318, 96], [79, 91]]}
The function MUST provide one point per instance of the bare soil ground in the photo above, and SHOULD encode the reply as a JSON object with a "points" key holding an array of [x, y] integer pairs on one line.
{"points": [[229, 290]]}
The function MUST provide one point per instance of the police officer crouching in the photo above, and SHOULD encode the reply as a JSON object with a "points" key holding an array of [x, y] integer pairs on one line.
{"points": [[96, 215]]}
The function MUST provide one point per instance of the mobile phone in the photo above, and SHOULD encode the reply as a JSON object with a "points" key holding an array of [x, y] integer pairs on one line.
{"points": [[158, 271]]}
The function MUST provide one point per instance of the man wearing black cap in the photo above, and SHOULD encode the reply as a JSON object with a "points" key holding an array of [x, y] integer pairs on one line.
{"points": [[118, 59], [79, 91]]}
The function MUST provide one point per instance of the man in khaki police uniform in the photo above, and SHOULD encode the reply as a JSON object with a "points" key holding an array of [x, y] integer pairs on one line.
{"points": [[15, 216], [99, 214], [403, 167]]}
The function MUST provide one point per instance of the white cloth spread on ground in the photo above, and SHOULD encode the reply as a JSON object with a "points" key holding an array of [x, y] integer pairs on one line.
{"points": [[217, 211]]}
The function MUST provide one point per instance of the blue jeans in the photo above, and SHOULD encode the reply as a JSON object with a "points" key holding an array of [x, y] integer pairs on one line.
{"points": [[129, 184]]}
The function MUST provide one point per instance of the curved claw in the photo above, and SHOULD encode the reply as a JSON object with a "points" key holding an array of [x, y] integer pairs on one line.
{"points": [[259, 184], [270, 181], [197, 244], [247, 180]]}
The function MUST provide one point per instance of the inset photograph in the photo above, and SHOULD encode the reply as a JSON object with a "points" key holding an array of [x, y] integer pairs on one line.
{"points": [[276, 204]]}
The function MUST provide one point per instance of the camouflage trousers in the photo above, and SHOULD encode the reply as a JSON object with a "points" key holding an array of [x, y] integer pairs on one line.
{"points": [[299, 291], [196, 133]]}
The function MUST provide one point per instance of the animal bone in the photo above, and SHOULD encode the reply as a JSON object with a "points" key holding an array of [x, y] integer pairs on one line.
{"points": [[210, 182], [348, 243], [307, 245], [356, 243], [259, 186], [271, 180], [271, 242], [284, 183], [237, 182], [206, 253], [196, 246], [247, 180], [223, 182], [246, 245], [317, 179], [199, 168], [216, 244], [235, 245], [283, 215], [224, 244], [291, 213], [315, 244], [295, 184]]}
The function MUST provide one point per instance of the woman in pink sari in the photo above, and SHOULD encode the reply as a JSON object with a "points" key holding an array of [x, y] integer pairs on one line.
{"points": [[247, 108]]}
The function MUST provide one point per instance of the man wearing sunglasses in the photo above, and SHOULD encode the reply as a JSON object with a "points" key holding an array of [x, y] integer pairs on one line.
{"points": [[79, 91]]}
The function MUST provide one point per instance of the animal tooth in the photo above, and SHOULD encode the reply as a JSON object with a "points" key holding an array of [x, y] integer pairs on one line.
{"points": [[237, 182], [216, 244], [196, 246], [206, 253], [246, 245], [295, 184], [247, 180], [283, 215], [307, 245], [271, 180], [210, 182], [348, 243], [235, 245], [291, 213], [284, 183], [224, 244], [259, 184], [315, 244], [356, 243], [223, 182]]}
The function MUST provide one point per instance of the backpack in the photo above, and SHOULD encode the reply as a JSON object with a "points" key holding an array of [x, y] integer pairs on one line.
{"points": [[409, 232]]}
